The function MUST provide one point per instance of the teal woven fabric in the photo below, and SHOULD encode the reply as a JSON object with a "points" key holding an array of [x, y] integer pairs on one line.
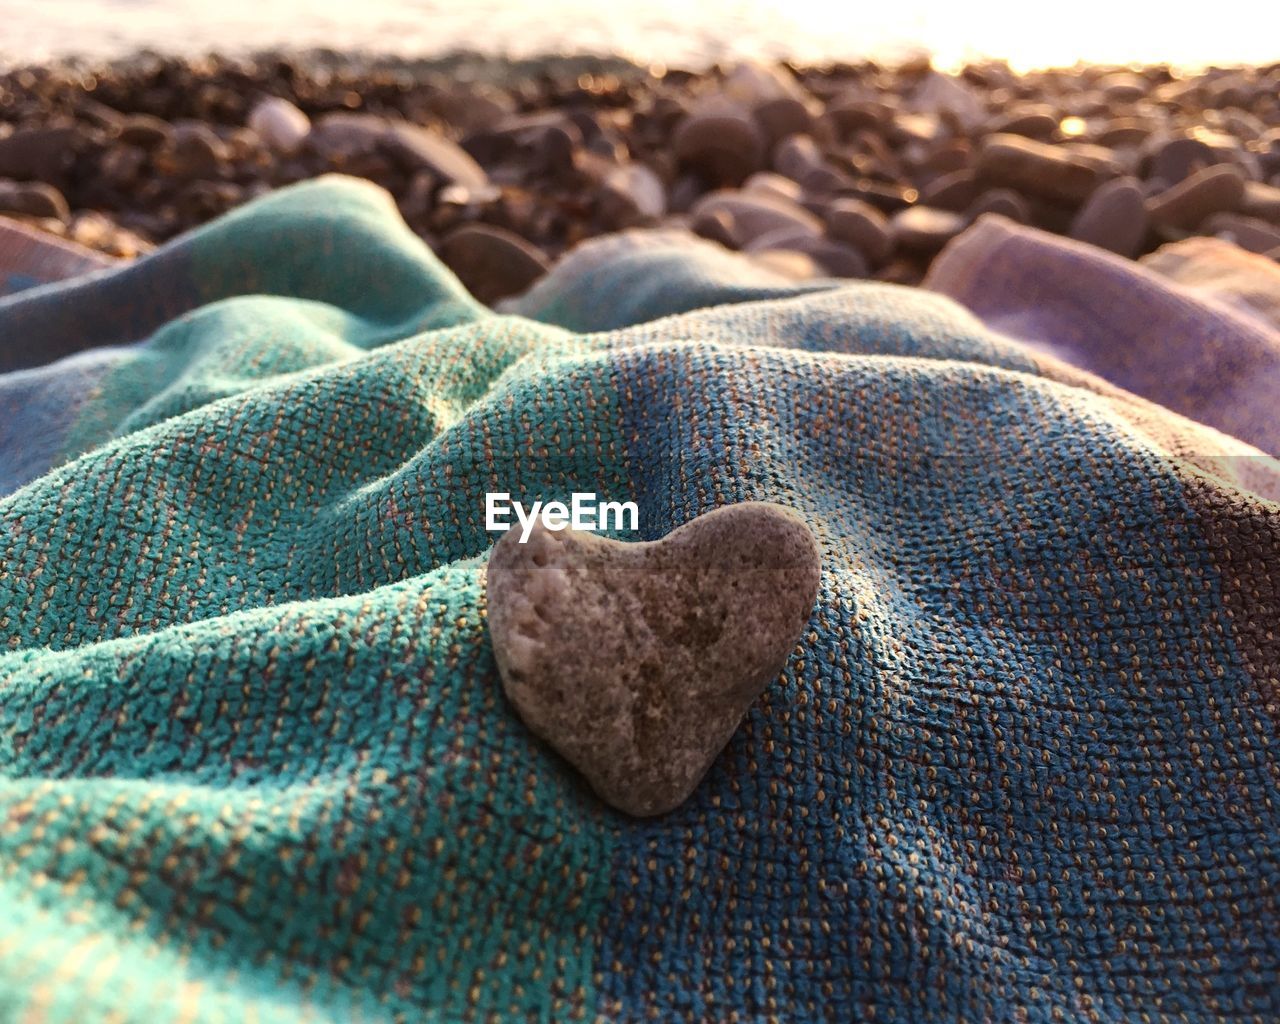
{"points": [[255, 759]]}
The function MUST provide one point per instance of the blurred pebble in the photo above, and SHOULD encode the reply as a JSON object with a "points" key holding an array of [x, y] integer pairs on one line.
{"points": [[491, 262], [33, 199], [923, 229], [1212, 190], [1113, 218], [1249, 233], [862, 226], [1038, 169], [280, 124]]}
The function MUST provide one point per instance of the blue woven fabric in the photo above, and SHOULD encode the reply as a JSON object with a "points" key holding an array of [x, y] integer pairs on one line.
{"points": [[255, 760]]}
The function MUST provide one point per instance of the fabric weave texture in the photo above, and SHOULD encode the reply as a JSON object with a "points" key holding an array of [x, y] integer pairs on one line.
{"points": [[255, 759]]}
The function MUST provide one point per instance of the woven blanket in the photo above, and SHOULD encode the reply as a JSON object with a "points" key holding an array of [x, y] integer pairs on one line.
{"points": [[255, 759]]}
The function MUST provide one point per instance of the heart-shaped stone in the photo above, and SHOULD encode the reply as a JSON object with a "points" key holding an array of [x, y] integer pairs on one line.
{"points": [[637, 661]]}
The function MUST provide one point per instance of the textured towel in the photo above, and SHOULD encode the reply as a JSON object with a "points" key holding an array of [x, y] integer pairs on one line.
{"points": [[29, 258], [1223, 271], [1198, 353], [255, 760]]}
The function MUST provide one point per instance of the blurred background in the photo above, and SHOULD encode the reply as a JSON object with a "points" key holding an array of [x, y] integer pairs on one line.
{"points": [[675, 32]]}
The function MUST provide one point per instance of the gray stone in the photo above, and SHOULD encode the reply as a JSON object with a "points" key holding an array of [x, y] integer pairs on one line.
{"points": [[854, 112], [789, 237], [715, 225], [492, 262], [122, 164], [789, 263], [836, 258], [1249, 233], [33, 199], [1214, 189], [1036, 168], [862, 226], [1172, 160], [724, 147], [546, 142], [1113, 218], [1122, 87], [145, 131], [781, 117], [1262, 201], [1125, 131], [925, 230], [280, 124], [37, 153], [195, 151], [796, 157], [775, 185], [948, 95], [955, 191], [752, 215], [421, 149], [637, 662], [632, 194], [1032, 121], [1004, 201], [341, 136]]}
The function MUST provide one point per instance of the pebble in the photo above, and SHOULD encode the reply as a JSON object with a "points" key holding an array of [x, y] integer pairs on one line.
{"points": [[856, 112], [1214, 189], [955, 191], [723, 147], [341, 136], [562, 160], [546, 142], [633, 193], [753, 82], [715, 225], [781, 117], [1039, 169], [925, 230], [1122, 87], [834, 257], [492, 262], [862, 226], [788, 263], [121, 165], [421, 149], [280, 124], [1262, 201], [945, 94], [797, 157], [1002, 201], [38, 153], [750, 216], [1124, 132], [145, 131], [768, 183], [458, 195], [1035, 121], [790, 237], [637, 662], [1249, 233], [194, 151], [1173, 160], [33, 199], [1113, 218]]}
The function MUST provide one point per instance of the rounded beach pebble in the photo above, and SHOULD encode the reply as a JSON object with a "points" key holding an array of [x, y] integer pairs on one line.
{"points": [[637, 661]]}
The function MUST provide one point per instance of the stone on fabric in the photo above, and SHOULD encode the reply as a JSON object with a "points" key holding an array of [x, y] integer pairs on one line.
{"points": [[637, 661]]}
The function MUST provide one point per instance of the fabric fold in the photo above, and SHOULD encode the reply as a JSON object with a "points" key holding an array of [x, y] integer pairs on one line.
{"points": [[255, 757]]}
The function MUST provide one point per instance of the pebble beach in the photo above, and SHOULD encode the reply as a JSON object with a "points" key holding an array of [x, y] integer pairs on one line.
{"points": [[857, 170]]}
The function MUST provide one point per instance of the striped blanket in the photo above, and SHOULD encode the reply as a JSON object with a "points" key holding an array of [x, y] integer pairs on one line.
{"points": [[255, 759]]}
